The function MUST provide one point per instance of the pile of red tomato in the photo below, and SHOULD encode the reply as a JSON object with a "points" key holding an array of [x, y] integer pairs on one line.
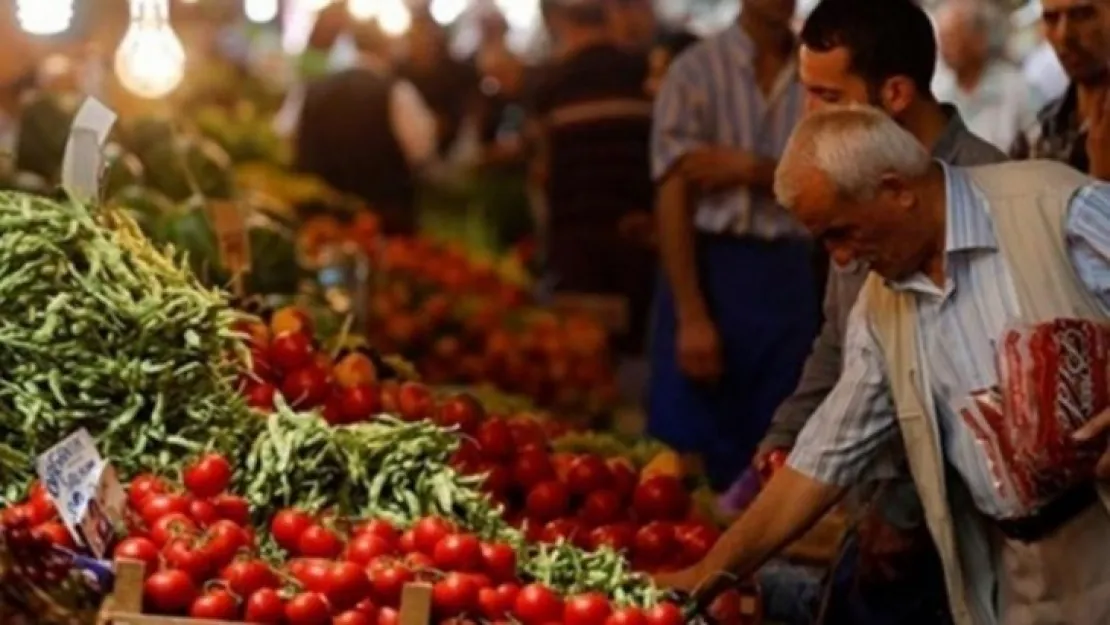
{"points": [[584, 498], [201, 560]]}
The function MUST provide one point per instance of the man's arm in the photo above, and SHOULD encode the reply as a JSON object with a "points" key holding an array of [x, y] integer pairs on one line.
{"points": [[837, 449], [676, 131], [819, 375], [413, 124]]}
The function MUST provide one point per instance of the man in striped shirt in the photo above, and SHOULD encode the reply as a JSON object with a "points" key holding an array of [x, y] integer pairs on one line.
{"points": [[738, 306], [957, 255]]}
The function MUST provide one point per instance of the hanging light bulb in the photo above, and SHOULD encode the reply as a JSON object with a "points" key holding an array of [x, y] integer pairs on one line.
{"points": [[150, 61], [318, 5], [260, 11], [394, 17], [445, 12], [44, 17], [362, 10]]}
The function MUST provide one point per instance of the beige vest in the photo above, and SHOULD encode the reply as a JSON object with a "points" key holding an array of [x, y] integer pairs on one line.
{"points": [[1028, 204]]}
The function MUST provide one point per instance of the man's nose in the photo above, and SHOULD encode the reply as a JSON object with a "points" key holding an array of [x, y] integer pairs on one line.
{"points": [[813, 103], [841, 255]]}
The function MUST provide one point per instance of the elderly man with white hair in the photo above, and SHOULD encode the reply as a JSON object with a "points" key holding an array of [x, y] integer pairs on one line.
{"points": [[963, 260]]}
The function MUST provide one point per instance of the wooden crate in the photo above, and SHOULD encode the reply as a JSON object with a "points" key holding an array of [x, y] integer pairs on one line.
{"points": [[125, 605]]}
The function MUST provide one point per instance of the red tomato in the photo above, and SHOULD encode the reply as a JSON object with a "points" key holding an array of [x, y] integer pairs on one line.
{"points": [[569, 530], [586, 609], [352, 617], [588, 473], [453, 595], [661, 498], [726, 608], [55, 533], [418, 562], [664, 614], [387, 578], [141, 550], [209, 476], [204, 512], [260, 395], [41, 510], [497, 481], [627, 616], [347, 584], [655, 543], [618, 536], [287, 527], [407, 542], [624, 476], [184, 555], [142, 487], [601, 507], [216, 605], [290, 350], [532, 467], [388, 616], [319, 542], [526, 430], [312, 573], [306, 387], [245, 577], [223, 541], [379, 528], [537, 604], [233, 508], [265, 606], [414, 401], [365, 548], [696, 539], [499, 561], [308, 608], [548, 500], [462, 412], [174, 525], [495, 439], [499, 602], [427, 533], [169, 592], [458, 552], [358, 403], [159, 505]]}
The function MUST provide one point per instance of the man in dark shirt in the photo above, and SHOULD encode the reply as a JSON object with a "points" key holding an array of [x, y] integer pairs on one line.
{"points": [[593, 124], [1075, 128]]}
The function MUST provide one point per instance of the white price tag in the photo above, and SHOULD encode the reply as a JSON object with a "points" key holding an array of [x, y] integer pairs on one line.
{"points": [[85, 490], [82, 161]]}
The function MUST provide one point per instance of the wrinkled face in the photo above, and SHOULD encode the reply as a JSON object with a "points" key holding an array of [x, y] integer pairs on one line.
{"points": [[960, 44], [880, 231], [828, 79], [1079, 31]]}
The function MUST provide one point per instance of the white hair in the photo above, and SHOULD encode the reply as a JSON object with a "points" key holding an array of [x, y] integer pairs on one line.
{"points": [[984, 17], [854, 146]]}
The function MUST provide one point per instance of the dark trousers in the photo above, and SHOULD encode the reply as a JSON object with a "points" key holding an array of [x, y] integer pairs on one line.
{"points": [[763, 299]]}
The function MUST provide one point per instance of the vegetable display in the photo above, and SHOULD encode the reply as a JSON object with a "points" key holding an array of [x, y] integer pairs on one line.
{"points": [[102, 331]]}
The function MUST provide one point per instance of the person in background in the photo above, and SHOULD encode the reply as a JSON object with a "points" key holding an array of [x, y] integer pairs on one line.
{"points": [[592, 120], [737, 308], [367, 132], [331, 22], [634, 24], [663, 52], [882, 54], [989, 91], [449, 86], [958, 256], [1075, 128]]}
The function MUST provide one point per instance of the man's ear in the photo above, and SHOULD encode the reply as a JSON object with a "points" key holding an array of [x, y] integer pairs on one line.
{"points": [[897, 93], [895, 187]]}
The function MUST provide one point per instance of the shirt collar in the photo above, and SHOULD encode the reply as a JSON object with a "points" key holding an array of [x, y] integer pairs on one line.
{"points": [[949, 142], [967, 224]]}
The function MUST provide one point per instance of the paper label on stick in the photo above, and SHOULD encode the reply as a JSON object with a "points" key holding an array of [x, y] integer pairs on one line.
{"points": [[84, 489], [82, 161]]}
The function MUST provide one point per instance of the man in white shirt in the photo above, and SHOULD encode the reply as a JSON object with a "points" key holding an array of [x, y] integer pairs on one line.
{"points": [[368, 133], [991, 94]]}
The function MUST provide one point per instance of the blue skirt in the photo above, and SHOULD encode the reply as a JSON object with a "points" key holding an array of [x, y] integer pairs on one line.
{"points": [[763, 298]]}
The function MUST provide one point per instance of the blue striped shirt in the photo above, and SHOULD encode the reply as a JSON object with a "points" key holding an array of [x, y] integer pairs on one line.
{"points": [[843, 442], [710, 97]]}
